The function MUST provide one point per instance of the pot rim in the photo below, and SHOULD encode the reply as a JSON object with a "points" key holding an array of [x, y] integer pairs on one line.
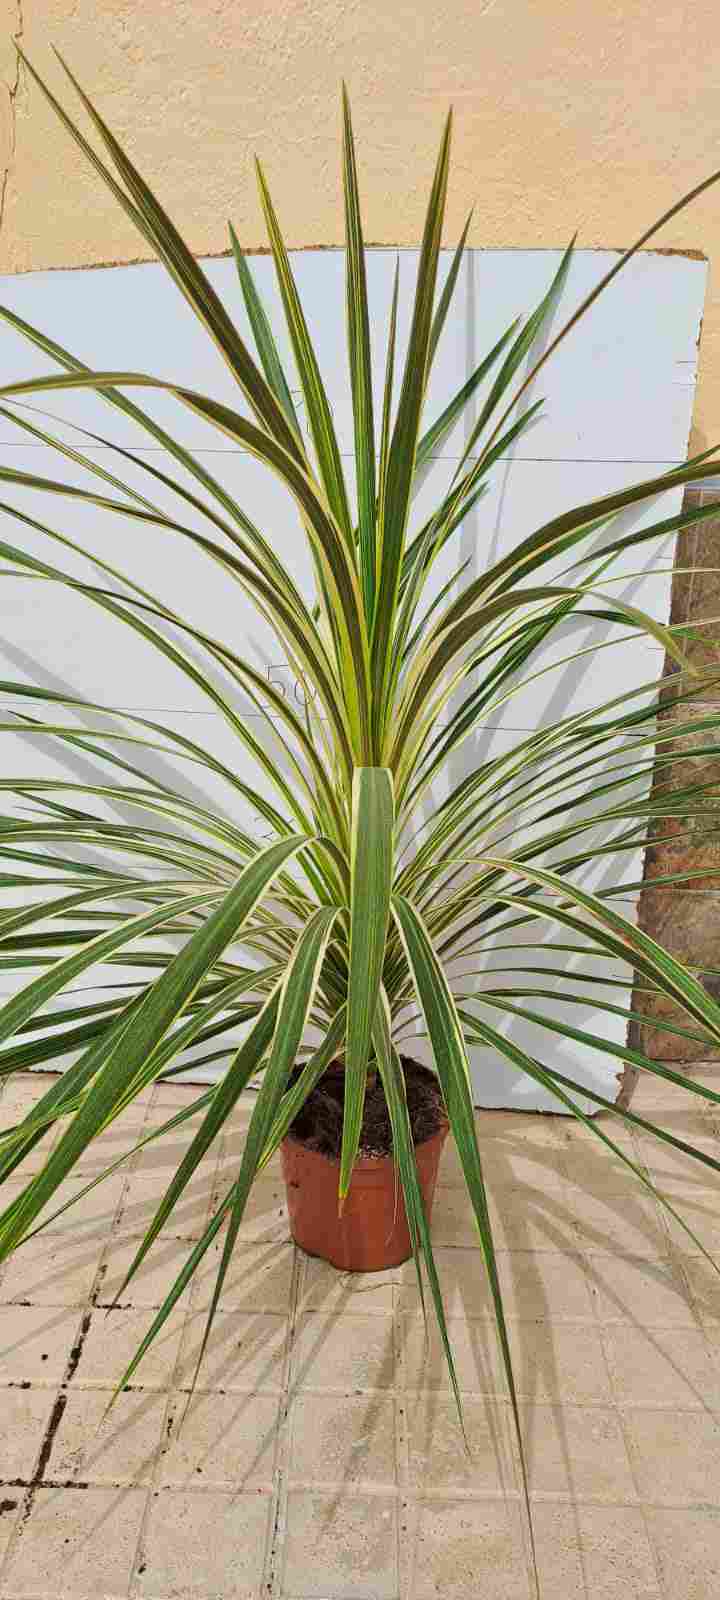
{"points": [[367, 1163]]}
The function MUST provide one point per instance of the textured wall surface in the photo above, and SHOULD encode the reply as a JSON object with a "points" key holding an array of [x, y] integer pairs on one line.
{"points": [[686, 919], [591, 115]]}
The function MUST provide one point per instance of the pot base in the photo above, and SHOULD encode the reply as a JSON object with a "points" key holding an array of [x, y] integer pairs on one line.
{"points": [[372, 1233]]}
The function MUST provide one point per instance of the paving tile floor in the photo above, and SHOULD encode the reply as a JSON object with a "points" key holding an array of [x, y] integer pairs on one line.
{"points": [[320, 1457]]}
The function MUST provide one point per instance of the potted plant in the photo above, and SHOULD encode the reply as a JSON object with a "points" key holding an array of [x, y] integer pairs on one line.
{"points": [[323, 935]]}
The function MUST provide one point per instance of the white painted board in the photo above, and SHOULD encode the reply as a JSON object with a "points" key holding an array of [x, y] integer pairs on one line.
{"points": [[618, 404]]}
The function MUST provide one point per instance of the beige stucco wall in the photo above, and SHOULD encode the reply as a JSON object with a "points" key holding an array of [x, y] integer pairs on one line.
{"points": [[589, 114]]}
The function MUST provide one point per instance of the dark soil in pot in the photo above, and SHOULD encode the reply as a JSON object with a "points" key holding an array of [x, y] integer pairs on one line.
{"points": [[319, 1124]]}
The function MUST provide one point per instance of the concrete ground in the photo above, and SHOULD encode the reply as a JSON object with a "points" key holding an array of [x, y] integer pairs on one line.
{"points": [[321, 1455]]}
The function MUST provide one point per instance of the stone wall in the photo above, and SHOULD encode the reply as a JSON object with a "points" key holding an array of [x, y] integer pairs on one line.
{"points": [[686, 919]]}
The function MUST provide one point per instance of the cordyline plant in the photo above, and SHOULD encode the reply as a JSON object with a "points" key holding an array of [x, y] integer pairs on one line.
{"points": [[346, 924]]}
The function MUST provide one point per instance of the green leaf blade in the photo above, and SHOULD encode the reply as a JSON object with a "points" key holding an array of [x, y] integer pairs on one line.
{"points": [[262, 333], [159, 1007], [316, 401], [360, 357], [371, 870], [403, 446]]}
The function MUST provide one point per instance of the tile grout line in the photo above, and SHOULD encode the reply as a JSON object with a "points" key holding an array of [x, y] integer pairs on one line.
{"points": [[137, 1564], [174, 1388], [58, 1410], [148, 1489], [410, 1499], [401, 1443], [618, 1410], [677, 1255], [273, 1567], [557, 1152]]}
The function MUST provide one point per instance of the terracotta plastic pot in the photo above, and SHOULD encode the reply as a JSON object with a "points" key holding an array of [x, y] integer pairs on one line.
{"points": [[372, 1232]]}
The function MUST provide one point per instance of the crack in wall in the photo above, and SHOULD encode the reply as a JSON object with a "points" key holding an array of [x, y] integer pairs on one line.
{"points": [[13, 89], [389, 246]]}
